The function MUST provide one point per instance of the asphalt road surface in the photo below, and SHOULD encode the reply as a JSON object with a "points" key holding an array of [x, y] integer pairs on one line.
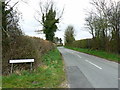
{"points": [[87, 71]]}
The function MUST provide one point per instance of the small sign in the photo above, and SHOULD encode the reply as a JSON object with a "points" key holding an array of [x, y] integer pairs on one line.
{"points": [[21, 60]]}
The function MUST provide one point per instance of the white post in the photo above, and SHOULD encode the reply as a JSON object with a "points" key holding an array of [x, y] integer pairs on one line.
{"points": [[11, 67], [31, 66]]}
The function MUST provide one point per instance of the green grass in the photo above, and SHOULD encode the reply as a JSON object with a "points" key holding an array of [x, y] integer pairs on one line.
{"points": [[0, 82], [49, 74], [102, 54]]}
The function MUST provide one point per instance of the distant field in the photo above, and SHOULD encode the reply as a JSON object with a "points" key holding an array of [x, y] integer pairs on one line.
{"points": [[49, 74], [102, 54]]}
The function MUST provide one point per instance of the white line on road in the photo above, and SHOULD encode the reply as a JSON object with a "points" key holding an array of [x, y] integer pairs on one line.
{"points": [[93, 64], [68, 85], [79, 56]]}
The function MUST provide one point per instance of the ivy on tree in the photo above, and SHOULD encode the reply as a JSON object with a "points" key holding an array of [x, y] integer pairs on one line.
{"points": [[49, 18], [49, 24]]}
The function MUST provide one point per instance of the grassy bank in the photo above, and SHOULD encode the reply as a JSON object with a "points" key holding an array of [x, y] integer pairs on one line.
{"points": [[49, 74], [102, 54]]}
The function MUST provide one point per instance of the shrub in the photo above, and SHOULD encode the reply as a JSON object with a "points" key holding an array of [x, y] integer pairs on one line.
{"points": [[24, 47]]}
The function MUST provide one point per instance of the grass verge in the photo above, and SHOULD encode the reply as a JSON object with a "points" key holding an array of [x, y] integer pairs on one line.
{"points": [[49, 75], [102, 54]]}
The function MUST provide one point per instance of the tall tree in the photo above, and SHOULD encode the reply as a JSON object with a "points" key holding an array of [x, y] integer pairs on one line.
{"points": [[10, 20], [10, 25], [69, 35], [49, 24], [49, 19]]}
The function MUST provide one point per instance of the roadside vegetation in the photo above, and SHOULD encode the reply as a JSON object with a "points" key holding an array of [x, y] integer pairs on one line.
{"points": [[15, 44], [99, 53], [103, 24], [48, 66], [24, 47], [49, 74]]}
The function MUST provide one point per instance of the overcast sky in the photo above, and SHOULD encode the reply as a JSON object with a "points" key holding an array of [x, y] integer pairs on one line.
{"points": [[74, 14]]}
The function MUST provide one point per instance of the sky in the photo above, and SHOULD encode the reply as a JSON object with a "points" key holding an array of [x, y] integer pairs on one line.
{"points": [[74, 14]]}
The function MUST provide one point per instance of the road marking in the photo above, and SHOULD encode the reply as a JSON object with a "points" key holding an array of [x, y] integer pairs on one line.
{"points": [[68, 85], [79, 56], [93, 64]]}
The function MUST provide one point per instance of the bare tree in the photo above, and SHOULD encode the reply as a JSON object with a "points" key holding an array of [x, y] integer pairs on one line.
{"points": [[104, 23]]}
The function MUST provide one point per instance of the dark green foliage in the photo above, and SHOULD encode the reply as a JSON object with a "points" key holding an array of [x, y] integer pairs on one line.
{"points": [[49, 19], [49, 22]]}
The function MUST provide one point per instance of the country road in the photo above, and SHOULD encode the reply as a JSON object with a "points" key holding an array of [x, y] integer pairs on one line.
{"points": [[87, 71]]}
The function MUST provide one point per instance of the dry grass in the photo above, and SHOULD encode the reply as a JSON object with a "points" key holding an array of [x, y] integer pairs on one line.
{"points": [[24, 47]]}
